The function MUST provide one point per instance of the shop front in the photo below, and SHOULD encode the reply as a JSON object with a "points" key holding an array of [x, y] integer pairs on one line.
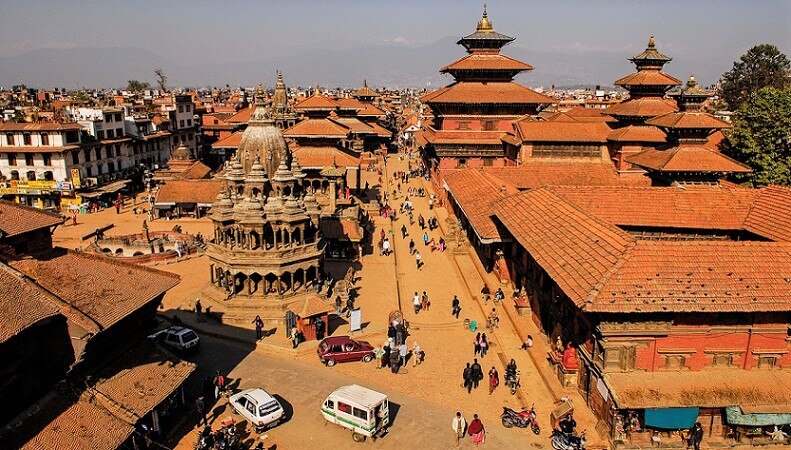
{"points": [[41, 194]]}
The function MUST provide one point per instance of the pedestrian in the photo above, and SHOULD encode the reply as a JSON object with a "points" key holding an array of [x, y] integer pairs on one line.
{"points": [[484, 345], [219, 384], [320, 328], [394, 360], [411, 247], [695, 436], [294, 337], [404, 233], [386, 247], [425, 239], [417, 260], [467, 375], [416, 302], [477, 373], [177, 248], [456, 307], [402, 352], [477, 431], [117, 207], [458, 425], [386, 354], [486, 293], [259, 328], [349, 306], [528, 342], [199, 310], [494, 380], [338, 305], [200, 407], [416, 355], [424, 303], [476, 344], [378, 353], [74, 218]]}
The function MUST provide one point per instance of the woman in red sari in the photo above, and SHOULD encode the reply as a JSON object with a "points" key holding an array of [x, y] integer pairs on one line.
{"points": [[476, 430]]}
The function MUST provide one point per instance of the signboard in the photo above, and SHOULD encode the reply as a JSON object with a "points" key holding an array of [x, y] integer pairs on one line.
{"points": [[65, 186], [355, 320], [75, 177]]}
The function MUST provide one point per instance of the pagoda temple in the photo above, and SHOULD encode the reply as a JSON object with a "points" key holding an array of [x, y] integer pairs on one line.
{"points": [[688, 159], [282, 113], [473, 114]]}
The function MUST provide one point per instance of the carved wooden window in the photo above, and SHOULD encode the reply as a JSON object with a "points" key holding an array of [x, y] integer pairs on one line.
{"points": [[489, 125], [722, 359], [675, 362], [464, 126], [628, 356], [767, 361]]}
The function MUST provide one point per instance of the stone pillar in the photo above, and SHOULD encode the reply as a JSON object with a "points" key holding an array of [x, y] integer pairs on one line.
{"points": [[249, 286], [279, 285], [213, 274], [304, 280]]}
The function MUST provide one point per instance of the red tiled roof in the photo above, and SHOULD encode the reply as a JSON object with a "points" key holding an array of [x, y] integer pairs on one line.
{"points": [[189, 191], [370, 111], [323, 156], [317, 127], [97, 287], [365, 91], [770, 215], [354, 125], [317, 102], [462, 137], [105, 414], [231, 141], [474, 190], [647, 78], [16, 219], [575, 249], [22, 303], [538, 131], [637, 133], [350, 103], [687, 159], [642, 107], [39, 126], [380, 130], [309, 307], [688, 119], [486, 61], [196, 171], [243, 116], [603, 269], [697, 207], [763, 391], [536, 172], [486, 92]]}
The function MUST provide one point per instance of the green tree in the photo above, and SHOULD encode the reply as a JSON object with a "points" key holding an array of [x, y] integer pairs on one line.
{"points": [[763, 65], [137, 86], [760, 136]]}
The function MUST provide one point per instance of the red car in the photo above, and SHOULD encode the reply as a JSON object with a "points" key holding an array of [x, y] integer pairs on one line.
{"points": [[337, 349]]}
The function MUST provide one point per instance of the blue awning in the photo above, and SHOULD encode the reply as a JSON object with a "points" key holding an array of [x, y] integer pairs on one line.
{"points": [[671, 418], [734, 416]]}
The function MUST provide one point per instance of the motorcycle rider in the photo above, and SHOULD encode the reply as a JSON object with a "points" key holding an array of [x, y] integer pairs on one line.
{"points": [[567, 424]]}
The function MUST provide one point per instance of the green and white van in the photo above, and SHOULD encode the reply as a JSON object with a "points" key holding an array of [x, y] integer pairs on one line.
{"points": [[363, 411]]}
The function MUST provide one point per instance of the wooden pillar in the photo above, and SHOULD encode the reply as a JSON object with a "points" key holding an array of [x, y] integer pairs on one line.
{"points": [[279, 285], [213, 274], [249, 285], [333, 195], [304, 279]]}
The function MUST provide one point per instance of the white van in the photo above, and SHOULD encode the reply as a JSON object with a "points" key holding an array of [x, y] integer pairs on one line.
{"points": [[364, 411]]}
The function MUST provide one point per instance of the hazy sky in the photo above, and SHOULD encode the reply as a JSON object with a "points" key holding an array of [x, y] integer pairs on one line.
{"points": [[228, 31]]}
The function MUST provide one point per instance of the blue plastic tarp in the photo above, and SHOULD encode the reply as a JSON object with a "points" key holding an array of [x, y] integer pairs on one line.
{"points": [[671, 418], [735, 417]]}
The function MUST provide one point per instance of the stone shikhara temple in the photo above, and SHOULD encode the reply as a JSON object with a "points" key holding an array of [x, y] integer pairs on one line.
{"points": [[267, 249]]}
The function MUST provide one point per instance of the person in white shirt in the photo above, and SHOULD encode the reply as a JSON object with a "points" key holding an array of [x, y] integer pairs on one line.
{"points": [[459, 425], [416, 302]]}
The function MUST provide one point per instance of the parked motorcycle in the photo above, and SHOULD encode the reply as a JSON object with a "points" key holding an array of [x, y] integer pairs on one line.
{"points": [[567, 441], [524, 419], [223, 439], [512, 381]]}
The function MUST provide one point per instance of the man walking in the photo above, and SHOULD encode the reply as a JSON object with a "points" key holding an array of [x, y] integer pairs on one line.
{"points": [[402, 352], [404, 233], [417, 260], [411, 247], [477, 373], [456, 307], [416, 357], [199, 310], [458, 425], [200, 407], [416, 302], [467, 375]]}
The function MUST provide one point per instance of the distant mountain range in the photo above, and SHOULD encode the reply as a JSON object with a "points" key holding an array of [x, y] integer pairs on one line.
{"points": [[387, 64]]}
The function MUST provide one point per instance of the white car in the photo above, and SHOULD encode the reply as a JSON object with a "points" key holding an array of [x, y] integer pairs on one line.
{"points": [[177, 338], [258, 407]]}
